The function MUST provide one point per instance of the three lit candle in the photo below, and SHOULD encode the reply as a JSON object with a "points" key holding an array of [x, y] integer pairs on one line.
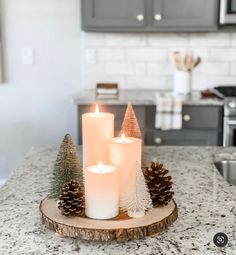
{"points": [[105, 183]]}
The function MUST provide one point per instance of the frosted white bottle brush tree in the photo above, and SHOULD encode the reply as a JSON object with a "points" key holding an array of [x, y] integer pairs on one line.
{"points": [[136, 199]]}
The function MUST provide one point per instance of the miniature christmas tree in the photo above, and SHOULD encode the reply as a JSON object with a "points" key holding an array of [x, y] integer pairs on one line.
{"points": [[66, 168], [130, 124], [71, 200], [159, 184], [136, 200], [130, 127]]}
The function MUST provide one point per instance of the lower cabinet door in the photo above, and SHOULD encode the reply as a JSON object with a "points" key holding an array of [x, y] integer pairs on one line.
{"points": [[184, 137]]}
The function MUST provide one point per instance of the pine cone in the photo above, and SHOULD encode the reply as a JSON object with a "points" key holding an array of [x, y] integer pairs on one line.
{"points": [[159, 184], [71, 200]]}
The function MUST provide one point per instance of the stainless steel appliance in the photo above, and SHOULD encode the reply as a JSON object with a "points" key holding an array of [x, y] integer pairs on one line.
{"points": [[227, 12], [228, 94], [228, 170], [229, 133]]}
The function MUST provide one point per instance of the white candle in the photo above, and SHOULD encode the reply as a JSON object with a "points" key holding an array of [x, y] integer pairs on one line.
{"points": [[97, 130], [101, 191], [124, 153]]}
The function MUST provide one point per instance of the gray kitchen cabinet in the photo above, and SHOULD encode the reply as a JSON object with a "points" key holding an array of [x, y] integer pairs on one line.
{"points": [[202, 125], [106, 14], [149, 15], [184, 137], [184, 14]]}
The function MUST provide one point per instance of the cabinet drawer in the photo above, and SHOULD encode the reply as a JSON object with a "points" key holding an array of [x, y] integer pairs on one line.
{"points": [[202, 116], [193, 117], [183, 137]]}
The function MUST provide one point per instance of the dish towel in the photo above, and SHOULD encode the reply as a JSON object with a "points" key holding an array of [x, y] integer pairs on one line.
{"points": [[168, 112]]}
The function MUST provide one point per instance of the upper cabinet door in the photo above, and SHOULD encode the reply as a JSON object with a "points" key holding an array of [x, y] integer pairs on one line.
{"points": [[184, 15], [118, 14]]}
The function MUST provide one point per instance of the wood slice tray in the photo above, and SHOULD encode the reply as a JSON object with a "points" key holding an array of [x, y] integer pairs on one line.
{"points": [[121, 228]]}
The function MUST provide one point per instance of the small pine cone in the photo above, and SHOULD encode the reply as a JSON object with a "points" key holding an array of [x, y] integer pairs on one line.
{"points": [[71, 200], [159, 184]]}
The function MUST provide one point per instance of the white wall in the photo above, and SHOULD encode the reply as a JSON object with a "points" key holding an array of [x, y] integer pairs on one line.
{"points": [[36, 103], [143, 60]]}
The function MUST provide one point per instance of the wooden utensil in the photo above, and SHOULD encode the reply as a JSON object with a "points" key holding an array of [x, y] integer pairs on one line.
{"points": [[188, 61], [197, 61], [177, 60]]}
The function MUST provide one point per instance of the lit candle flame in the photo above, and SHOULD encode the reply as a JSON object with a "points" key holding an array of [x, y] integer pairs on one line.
{"points": [[100, 166], [96, 109], [123, 138]]}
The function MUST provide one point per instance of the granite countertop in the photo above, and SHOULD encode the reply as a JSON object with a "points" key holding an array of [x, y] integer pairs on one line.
{"points": [[139, 97], [207, 205]]}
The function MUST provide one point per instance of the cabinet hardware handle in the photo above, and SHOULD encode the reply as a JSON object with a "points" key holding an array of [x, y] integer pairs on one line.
{"points": [[140, 17], [187, 118], [158, 140], [158, 17]]}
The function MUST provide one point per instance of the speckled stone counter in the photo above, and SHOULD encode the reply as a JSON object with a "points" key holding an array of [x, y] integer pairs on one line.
{"points": [[207, 205], [139, 97]]}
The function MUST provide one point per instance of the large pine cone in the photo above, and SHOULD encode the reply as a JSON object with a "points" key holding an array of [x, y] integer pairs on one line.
{"points": [[159, 184], [71, 200]]}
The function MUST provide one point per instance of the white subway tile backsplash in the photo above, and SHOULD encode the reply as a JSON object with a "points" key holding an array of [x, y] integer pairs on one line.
{"points": [[199, 82], [233, 39], [139, 60], [125, 68], [110, 54], [146, 82], [210, 39], [125, 39], [217, 68], [233, 68], [161, 68], [222, 54], [164, 39], [216, 80], [146, 54]]}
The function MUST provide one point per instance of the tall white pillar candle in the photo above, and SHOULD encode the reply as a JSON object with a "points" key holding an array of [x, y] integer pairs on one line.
{"points": [[101, 191], [124, 153], [97, 130]]}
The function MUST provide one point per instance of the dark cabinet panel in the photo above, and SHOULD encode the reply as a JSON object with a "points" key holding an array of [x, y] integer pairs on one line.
{"points": [[210, 117], [113, 13], [184, 137], [184, 14], [202, 117]]}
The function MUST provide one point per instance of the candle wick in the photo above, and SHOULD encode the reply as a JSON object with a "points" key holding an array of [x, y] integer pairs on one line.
{"points": [[100, 166]]}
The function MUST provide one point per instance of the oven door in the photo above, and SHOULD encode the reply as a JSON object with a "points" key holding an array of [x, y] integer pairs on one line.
{"points": [[229, 138], [227, 11]]}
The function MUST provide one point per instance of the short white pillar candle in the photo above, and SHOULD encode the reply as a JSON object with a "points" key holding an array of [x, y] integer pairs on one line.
{"points": [[101, 191]]}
